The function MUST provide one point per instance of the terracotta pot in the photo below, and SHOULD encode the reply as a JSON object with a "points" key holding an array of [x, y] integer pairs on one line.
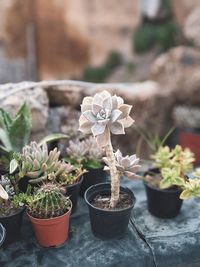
{"points": [[51, 232], [191, 140]]}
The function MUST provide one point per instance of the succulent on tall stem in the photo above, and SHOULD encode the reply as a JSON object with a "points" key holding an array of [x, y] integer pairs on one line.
{"points": [[102, 115]]}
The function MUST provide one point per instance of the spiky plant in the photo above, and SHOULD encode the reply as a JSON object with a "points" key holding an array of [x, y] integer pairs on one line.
{"points": [[85, 153], [37, 164], [48, 202], [102, 115]]}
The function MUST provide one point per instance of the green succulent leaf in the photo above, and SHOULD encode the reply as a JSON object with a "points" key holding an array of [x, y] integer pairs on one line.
{"points": [[5, 120], [52, 137], [13, 165], [186, 194], [4, 138], [20, 128]]}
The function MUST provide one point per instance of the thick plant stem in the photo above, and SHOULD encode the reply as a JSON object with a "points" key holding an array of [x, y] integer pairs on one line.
{"points": [[115, 183]]}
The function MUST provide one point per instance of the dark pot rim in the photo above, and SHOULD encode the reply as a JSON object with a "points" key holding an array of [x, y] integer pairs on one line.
{"points": [[111, 211], [72, 185], [162, 190], [20, 210]]}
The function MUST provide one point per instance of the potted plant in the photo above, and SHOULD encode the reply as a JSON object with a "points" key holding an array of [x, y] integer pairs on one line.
{"points": [[36, 165], [187, 120], [191, 187], [11, 209], [164, 183], [87, 154], [49, 211], [109, 204]]}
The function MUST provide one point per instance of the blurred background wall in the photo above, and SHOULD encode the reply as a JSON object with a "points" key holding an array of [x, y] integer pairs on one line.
{"points": [[91, 40]]}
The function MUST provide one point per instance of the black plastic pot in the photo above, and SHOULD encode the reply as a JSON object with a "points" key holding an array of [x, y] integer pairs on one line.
{"points": [[12, 224], [163, 203], [92, 177], [108, 224], [73, 192], [2, 234]]}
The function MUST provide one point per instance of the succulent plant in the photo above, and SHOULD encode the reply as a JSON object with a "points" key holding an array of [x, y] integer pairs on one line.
{"points": [[85, 153], [186, 117], [38, 165], [171, 177], [173, 164], [127, 165], [103, 114], [162, 157], [191, 189], [48, 202]]}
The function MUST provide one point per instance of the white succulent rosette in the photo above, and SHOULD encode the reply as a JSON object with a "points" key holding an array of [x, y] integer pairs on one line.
{"points": [[104, 114], [127, 166]]}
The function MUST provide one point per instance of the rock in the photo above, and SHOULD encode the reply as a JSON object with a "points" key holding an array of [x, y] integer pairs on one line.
{"points": [[176, 69], [191, 27], [37, 100], [65, 95], [69, 34], [182, 8]]}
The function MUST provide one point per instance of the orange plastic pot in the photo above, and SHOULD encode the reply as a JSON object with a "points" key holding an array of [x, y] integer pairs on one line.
{"points": [[51, 232]]}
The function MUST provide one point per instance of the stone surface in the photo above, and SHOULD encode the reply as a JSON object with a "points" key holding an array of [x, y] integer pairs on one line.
{"points": [[182, 8], [37, 101], [176, 70], [149, 241], [191, 27]]}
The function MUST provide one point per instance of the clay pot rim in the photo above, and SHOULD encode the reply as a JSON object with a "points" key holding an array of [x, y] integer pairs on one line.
{"points": [[111, 211], [50, 219]]}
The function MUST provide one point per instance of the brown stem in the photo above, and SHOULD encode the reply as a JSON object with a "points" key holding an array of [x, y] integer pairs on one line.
{"points": [[115, 183]]}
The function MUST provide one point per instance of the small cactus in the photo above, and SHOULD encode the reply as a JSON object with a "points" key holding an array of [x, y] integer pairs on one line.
{"points": [[48, 202]]}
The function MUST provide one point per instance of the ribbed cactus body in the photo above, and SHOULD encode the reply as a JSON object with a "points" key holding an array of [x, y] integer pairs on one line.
{"points": [[49, 202]]}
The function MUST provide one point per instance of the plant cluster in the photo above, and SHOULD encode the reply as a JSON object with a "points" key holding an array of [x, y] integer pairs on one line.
{"points": [[102, 115], [173, 165], [38, 165], [85, 153]]}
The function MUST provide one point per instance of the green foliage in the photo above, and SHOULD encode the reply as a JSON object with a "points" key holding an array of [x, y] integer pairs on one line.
{"points": [[91, 164], [173, 165], [162, 157], [14, 132], [154, 141], [145, 37], [48, 202], [191, 189], [171, 177], [99, 74], [150, 34]]}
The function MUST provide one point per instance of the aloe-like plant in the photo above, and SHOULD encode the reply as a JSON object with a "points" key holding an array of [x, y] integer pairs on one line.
{"points": [[85, 153], [103, 115], [14, 132]]}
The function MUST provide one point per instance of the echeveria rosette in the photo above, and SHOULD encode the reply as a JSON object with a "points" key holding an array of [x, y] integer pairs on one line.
{"points": [[104, 114], [127, 166]]}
